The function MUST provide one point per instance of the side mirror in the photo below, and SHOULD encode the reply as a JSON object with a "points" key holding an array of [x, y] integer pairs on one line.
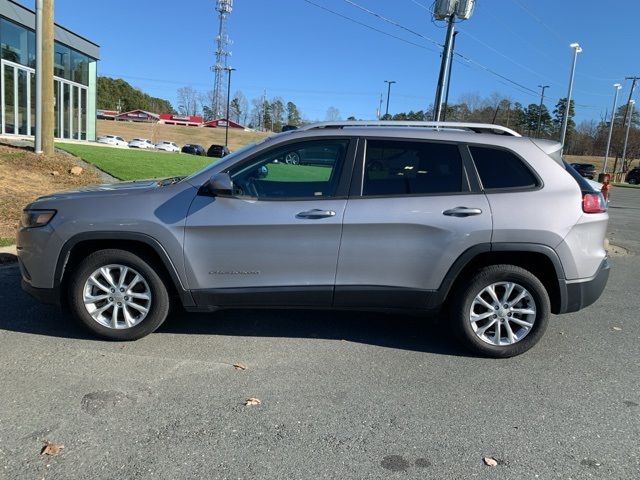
{"points": [[221, 184]]}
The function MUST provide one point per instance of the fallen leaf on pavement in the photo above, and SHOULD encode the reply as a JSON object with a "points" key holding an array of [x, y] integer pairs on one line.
{"points": [[617, 328], [490, 461], [252, 401], [239, 366], [51, 448]]}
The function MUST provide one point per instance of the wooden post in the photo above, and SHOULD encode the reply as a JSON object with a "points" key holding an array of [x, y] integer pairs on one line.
{"points": [[47, 78]]}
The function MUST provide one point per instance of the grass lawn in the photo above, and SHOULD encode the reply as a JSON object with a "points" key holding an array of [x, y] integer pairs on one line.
{"points": [[283, 172], [132, 164], [5, 242]]}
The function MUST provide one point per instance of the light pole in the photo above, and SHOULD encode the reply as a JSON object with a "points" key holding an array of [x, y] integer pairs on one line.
{"points": [[388, 82], [543, 87], [617, 87], [565, 118], [226, 132], [626, 135]]}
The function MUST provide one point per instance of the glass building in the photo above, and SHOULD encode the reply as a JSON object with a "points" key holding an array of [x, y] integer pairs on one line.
{"points": [[75, 60]]}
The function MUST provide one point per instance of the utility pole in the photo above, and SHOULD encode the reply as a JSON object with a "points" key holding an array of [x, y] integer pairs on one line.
{"points": [[226, 131], [626, 135], [617, 87], [565, 118], [446, 97], [388, 82], [543, 87], [444, 66], [44, 78], [634, 80], [379, 112]]}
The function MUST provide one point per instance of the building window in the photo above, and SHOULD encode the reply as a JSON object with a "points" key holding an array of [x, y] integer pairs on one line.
{"points": [[79, 68], [15, 42], [62, 61]]}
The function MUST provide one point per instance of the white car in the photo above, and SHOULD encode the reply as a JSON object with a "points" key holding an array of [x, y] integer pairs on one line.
{"points": [[113, 140], [141, 143], [167, 146]]}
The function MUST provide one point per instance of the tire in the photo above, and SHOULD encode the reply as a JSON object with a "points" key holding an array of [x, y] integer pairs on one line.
{"points": [[481, 339], [632, 181], [131, 323]]}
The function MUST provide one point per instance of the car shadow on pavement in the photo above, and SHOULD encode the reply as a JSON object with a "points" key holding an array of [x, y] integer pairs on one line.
{"points": [[21, 313]]}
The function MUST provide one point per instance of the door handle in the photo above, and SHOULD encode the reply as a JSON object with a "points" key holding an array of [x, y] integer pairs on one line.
{"points": [[316, 214], [462, 212]]}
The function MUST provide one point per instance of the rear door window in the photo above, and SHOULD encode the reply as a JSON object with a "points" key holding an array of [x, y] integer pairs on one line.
{"points": [[394, 167], [501, 169]]}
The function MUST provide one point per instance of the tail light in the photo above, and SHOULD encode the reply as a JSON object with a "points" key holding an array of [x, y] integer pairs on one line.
{"points": [[593, 202]]}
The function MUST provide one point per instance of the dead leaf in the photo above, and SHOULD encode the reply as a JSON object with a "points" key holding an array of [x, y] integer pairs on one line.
{"points": [[51, 448], [252, 401], [490, 461], [239, 366], [617, 329]]}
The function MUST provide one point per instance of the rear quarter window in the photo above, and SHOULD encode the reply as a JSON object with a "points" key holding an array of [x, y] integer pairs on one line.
{"points": [[501, 169]]}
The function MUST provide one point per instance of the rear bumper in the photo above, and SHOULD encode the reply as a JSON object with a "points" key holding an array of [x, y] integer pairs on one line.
{"points": [[582, 294]]}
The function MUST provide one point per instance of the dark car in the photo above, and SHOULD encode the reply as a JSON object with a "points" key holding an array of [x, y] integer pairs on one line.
{"points": [[587, 170], [288, 128], [218, 151], [633, 176], [193, 149]]}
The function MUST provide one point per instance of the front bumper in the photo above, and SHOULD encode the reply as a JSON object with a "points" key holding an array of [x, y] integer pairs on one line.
{"points": [[582, 294], [44, 295]]}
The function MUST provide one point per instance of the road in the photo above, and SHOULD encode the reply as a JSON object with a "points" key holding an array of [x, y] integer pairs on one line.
{"points": [[344, 395]]}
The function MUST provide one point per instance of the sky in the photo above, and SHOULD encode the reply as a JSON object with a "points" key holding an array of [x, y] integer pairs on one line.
{"points": [[318, 59]]}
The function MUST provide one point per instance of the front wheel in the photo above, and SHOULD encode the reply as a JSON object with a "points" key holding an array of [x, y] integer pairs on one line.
{"points": [[501, 312], [118, 295]]}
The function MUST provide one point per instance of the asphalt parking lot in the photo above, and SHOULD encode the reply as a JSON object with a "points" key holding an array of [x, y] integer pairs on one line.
{"points": [[344, 395]]}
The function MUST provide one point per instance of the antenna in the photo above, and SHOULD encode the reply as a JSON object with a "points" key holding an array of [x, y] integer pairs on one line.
{"points": [[223, 7]]}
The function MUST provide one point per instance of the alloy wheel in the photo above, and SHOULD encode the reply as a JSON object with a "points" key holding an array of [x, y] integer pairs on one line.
{"points": [[117, 296], [502, 313]]}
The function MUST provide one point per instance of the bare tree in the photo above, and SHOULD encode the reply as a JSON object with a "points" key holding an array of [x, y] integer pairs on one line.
{"points": [[333, 114], [188, 101]]}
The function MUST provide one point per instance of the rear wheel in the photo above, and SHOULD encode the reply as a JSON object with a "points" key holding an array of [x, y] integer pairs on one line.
{"points": [[501, 312], [632, 181], [118, 295]]}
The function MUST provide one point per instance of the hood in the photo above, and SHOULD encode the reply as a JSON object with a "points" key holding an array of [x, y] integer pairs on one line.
{"points": [[121, 188]]}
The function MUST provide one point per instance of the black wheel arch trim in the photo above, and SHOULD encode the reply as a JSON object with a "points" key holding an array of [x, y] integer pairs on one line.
{"points": [[468, 255], [63, 257]]}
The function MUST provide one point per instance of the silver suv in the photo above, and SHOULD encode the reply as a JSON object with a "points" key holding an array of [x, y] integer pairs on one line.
{"points": [[411, 216]]}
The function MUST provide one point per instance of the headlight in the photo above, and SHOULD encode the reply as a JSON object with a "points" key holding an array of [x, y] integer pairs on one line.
{"points": [[36, 218]]}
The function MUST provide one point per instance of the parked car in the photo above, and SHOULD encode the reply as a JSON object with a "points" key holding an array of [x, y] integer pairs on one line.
{"points": [[113, 140], [288, 128], [587, 170], [218, 151], [193, 149], [167, 146], [633, 176], [496, 228], [141, 143]]}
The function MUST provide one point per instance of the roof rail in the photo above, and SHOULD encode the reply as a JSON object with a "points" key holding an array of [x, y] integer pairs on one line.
{"points": [[473, 127]]}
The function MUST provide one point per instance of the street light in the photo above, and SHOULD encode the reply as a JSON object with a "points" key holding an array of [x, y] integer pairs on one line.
{"points": [[226, 132], [543, 87], [617, 86], [388, 82], [565, 118]]}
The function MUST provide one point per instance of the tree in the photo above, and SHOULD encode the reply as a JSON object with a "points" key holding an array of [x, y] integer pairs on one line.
{"points": [[239, 108], [187, 101], [558, 116], [277, 114], [267, 121], [116, 94], [333, 114], [293, 115]]}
